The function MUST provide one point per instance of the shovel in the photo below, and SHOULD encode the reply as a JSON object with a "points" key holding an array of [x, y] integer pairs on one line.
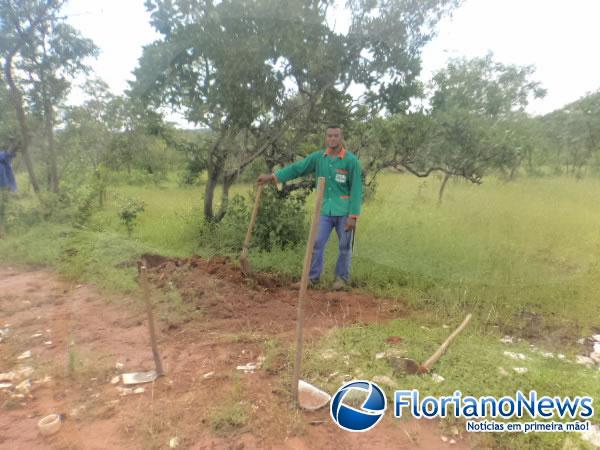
{"points": [[412, 367], [244, 263]]}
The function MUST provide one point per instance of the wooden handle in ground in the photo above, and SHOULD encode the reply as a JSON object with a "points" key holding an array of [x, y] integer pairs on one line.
{"points": [[304, 285], [252, 219], [440, 351], [147, 301]]}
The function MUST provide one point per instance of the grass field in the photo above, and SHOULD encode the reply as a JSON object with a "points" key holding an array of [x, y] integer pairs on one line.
{"points": [[522, 256]]}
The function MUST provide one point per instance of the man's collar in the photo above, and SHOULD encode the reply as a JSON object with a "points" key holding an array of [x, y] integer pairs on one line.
{"points": [[340, 155]]}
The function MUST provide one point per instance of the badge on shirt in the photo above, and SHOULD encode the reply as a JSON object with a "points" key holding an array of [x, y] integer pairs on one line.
{"points": [[340, 177]]}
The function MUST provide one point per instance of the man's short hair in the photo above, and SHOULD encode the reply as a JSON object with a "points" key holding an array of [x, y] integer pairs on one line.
{"points": [[333, 125]]}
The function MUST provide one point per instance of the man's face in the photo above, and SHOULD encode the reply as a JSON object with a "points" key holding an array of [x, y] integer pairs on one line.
{"points": [[333, 137]]}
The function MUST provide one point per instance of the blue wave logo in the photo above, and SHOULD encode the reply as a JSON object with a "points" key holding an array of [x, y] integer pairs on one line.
{"points": [[358, 419]]}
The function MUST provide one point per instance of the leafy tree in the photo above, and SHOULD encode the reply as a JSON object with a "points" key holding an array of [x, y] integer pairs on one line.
{"points": [[469, 129], [264, 75], [40, 53]]}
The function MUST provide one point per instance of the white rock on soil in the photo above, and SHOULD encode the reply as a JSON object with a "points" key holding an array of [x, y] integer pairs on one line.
{"points": [[517, 356]]}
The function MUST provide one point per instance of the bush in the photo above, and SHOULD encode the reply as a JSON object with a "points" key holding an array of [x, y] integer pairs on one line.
{"points": [[128, 213], [280, 222]]}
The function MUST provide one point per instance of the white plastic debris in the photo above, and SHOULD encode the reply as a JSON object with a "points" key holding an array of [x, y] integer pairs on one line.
{"points": [[46, 379], [592, 435], [36, 335], [521, 370], [507, 340], [174, 442], [380, 355], [24, 387], [119, 366], [115, 380], [5, 385], [25, 355], [139, 377], [129, 391], [437, 378], [8, 376], [208, 375], [252, 366], [383, 379], [48, 343], [517, 356], [24, 372], [585, 360], [328, 354]]}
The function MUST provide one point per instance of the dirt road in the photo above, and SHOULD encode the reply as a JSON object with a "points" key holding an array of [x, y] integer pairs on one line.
{"points": [[81, 339]]}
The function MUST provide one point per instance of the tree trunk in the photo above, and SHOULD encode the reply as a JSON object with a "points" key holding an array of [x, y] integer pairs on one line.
{"points": [[443, 187], [209, 193], [227, 182], [52, 166], [17, 100]]}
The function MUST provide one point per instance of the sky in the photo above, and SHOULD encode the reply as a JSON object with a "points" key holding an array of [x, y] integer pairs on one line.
{"points": [[558, 37]]}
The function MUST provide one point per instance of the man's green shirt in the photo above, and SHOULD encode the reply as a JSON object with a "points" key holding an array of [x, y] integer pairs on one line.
{"points": [[343, 180]]}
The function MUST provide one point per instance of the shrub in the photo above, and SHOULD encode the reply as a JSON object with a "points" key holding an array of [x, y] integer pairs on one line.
{"points": [[129, 211], [280, 222]]}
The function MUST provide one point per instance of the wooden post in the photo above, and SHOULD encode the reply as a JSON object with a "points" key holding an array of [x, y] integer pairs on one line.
{"points": [[146, 294], [304, 285]]}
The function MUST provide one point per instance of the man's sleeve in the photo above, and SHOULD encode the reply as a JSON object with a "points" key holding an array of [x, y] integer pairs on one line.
{"points": [[356, 190], [298, 169]]}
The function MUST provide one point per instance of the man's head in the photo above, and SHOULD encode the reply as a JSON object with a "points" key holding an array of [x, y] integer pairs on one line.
{"points": [[334, 136]]}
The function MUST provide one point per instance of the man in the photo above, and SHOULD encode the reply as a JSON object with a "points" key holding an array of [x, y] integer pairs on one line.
{"points": [[341, 200]]}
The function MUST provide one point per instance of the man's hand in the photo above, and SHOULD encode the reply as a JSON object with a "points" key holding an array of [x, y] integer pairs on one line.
{"points": [[269, 178], [351, 223]]}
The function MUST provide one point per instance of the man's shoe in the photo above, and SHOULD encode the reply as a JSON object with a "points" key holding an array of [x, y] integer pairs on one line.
{"points": [[339, 284], [311, 284]]}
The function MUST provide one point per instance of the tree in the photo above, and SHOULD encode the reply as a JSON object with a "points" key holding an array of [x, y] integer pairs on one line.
{"points": [[40, 53], [469, 128], [574, 132], [261, 73]]}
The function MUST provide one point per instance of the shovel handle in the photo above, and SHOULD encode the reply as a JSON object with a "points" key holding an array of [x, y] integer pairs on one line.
{"points": [[442, 348], [252, 218]]}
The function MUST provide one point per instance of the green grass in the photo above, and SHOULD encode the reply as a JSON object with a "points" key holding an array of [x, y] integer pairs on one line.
{"points": [[475, 365], [522, 256]]}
